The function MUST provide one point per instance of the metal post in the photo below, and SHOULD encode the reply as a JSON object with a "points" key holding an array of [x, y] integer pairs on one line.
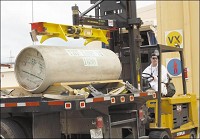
{"points": [[107, 121], [159, 86], [75, 15], [183, 77], [97, 13], [134, 49]]}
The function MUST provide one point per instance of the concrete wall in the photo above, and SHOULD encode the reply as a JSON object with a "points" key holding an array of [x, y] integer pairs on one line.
{"points": [[173, 15]]}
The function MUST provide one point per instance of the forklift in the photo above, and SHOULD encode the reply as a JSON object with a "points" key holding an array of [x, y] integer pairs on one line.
{"points": [[166, 117], [169, 117]]}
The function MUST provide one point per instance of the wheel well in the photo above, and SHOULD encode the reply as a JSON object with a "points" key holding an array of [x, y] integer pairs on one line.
{"points": [[10, 129], [9, 115], [5, 115], [23, 120], [25, 123]]}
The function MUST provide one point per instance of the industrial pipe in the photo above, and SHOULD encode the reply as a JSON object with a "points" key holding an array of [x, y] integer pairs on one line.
{"points": [[38, 67]]}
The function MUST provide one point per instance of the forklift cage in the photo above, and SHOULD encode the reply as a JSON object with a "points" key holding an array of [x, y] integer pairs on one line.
{"points": [[164, 49]]}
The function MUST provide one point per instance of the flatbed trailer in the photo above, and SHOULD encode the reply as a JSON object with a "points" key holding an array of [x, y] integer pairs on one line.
{"points": [[114, 116]]}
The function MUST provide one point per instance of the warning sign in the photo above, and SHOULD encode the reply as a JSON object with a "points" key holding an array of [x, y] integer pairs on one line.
{"points": [[174, 37], [174, 67]]}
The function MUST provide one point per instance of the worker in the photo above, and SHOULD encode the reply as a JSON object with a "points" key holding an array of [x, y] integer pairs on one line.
{"points": [[152, 70]]}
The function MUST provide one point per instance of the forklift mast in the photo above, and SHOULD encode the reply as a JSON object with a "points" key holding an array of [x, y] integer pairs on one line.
{"points": [[120, 16]]}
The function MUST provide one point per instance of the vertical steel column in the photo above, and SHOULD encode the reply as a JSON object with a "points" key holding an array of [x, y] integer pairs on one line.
{"points": [[75, 15], [159, 86], [97, 13], [183, 77], [134, 49], [107, 126]]}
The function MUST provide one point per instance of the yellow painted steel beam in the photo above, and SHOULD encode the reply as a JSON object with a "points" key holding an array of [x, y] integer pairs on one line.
{"points": [[50, 30]]}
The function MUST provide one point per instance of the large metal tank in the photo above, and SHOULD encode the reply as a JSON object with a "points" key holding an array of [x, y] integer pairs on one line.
{"points": [[37, 67]]}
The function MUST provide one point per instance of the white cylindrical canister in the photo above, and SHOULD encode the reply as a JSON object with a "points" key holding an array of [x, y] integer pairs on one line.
{"points": [[38, 67]]}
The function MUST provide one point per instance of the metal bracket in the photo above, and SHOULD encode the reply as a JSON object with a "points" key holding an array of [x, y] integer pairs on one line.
{"points": [[135, 21], [94, 92], [131, 88]]}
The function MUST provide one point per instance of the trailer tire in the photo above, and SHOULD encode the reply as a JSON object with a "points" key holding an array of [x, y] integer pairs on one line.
{"points": [[193, 134], [11, 130], [158, 135], [25, 124]]}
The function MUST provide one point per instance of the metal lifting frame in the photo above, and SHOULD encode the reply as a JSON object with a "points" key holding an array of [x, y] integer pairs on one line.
{"points": [[92, 7], [50, 30]]}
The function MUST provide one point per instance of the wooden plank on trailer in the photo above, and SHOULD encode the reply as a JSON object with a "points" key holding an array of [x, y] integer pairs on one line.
{"points": [[62, 97], [88, 82]]}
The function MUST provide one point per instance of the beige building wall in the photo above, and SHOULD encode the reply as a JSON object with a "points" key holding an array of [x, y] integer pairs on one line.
{"points": [[148, 14], [8, 78], [175, 15]]}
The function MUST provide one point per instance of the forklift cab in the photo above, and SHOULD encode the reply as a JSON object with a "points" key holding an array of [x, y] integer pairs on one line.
{"points": [[170, 116], [145, 53]]}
